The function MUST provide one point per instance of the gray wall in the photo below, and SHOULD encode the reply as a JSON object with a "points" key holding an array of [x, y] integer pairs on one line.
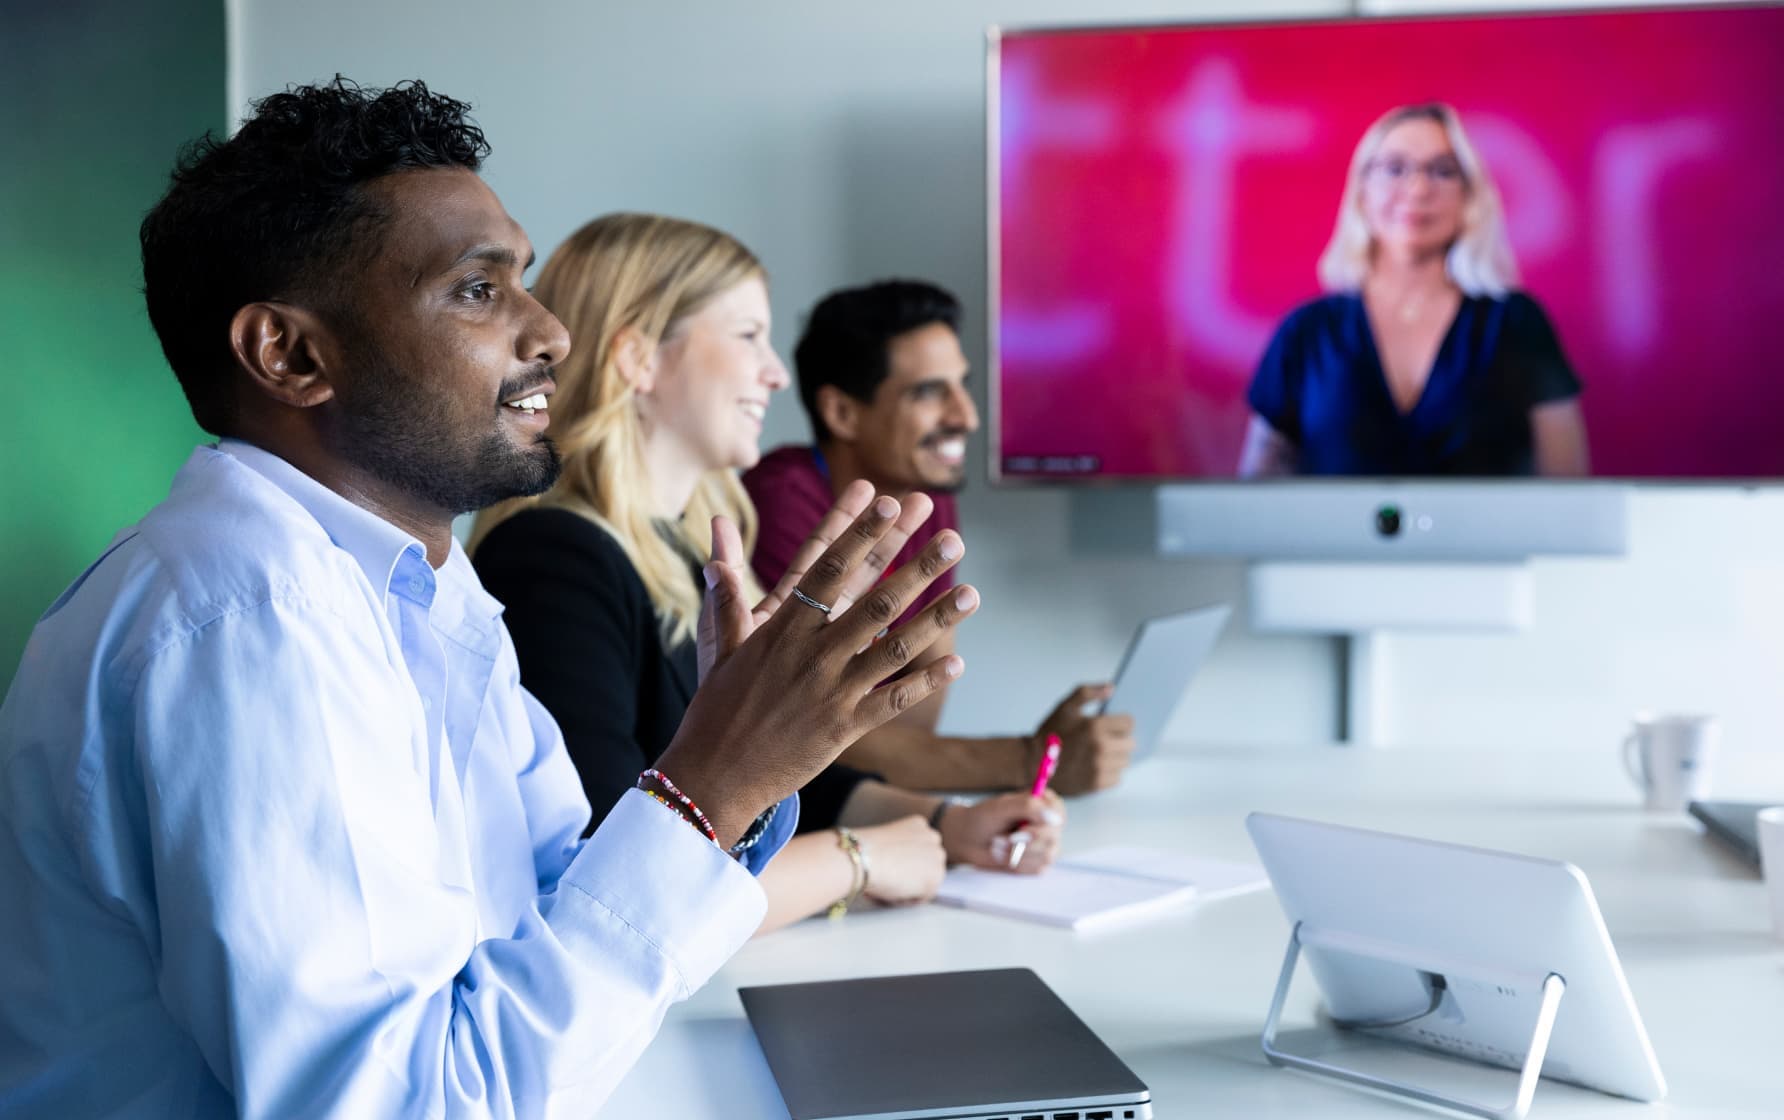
{"points": [[844, 141]]}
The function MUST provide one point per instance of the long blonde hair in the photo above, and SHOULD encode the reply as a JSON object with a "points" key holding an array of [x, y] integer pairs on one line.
{"points": [[1480, 260], [649, 273]]}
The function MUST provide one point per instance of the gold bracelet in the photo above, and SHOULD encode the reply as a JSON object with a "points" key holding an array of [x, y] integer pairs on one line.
{"points": [[851, 844]]}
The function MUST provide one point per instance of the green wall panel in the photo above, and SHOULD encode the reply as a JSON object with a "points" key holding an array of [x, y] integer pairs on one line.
{"points": [[100, 97]]}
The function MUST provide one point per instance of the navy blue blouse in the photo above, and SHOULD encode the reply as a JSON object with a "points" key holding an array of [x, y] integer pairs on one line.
{"points": [[1322, 387]]}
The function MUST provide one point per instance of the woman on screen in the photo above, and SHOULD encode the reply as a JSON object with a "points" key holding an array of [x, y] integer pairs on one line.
{"points": [[659, 403], [1424, 359]]}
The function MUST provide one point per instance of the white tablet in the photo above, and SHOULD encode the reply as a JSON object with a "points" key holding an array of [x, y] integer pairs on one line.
{"points": [[1159, 663], [1458, 950]]}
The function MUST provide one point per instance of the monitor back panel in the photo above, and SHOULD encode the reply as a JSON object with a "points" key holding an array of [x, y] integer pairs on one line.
{"points": [[1486, 915]]}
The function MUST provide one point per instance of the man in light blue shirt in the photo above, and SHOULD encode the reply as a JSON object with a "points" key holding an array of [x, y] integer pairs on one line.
{"points": [[280, 833]]}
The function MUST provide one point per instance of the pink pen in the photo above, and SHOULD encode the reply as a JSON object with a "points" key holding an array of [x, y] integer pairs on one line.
{"points": [[1042, 775]]}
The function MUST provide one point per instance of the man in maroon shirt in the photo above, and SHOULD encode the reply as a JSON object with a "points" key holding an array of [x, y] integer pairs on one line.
{"points": [[884, 383]]}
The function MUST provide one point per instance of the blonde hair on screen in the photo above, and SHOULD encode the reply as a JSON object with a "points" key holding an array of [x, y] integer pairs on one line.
{"points": [[650, 273], [1480, 260]]}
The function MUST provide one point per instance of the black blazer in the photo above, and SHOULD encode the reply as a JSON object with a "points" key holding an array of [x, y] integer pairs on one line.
{"points": [[592, 652]]}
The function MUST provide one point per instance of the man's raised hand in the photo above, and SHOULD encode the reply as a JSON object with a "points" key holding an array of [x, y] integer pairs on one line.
{"points": [[788, 686]]}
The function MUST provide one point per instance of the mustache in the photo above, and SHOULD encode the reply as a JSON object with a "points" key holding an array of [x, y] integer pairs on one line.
{"points": [[538, 377]]}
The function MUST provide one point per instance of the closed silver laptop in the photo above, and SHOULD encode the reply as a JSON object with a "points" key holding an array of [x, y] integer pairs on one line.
{"points": [[991, 1045]]}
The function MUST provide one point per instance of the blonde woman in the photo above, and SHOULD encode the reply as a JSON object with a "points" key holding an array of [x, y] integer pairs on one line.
{"points": [[1424, 358], [658, 405]]}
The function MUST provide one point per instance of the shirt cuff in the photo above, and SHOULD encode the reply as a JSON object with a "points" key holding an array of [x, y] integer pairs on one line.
{"points": [[679, 890], [786, 818]]}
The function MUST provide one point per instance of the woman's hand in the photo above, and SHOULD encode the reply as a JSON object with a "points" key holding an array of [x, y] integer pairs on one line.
{"points": [[980, 834], [905, 861]]}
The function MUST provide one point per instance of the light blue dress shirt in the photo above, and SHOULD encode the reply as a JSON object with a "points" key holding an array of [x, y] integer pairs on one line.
{"points": [[281, 835]]}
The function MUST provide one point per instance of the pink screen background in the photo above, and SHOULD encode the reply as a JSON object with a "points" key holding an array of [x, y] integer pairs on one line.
{"points": [[1165, 194]]}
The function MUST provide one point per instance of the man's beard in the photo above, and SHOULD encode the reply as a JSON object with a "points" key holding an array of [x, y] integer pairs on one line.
{"points": [[398, 429]]}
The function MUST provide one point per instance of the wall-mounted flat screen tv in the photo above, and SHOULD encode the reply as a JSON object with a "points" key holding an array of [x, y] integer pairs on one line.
{"points": [[1487, 246]]}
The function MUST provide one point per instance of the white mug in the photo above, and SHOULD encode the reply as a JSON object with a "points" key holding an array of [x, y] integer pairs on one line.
{"points": [[1670, 758], [1771, 857]]}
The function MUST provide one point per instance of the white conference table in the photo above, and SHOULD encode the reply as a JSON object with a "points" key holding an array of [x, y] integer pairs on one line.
{"points": [[1182, 997]]}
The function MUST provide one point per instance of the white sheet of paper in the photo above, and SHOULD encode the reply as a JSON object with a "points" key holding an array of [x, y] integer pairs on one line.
{"points": [[1100, 888], [1213, 878]]}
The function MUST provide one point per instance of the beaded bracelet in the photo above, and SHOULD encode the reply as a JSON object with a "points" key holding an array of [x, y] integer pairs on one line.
{"points": [[850, 843], [683, 803], [668, 804]]}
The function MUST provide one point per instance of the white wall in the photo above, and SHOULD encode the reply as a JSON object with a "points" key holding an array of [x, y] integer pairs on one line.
{"points": [[1691, 621], [843, 141]]}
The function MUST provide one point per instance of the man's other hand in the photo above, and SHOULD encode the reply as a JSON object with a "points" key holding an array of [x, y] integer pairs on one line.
{"points": [[1095, 749]]}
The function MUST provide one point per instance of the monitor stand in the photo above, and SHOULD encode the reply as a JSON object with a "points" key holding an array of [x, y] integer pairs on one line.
{"points": [[1544, 991], [1366, 604]]}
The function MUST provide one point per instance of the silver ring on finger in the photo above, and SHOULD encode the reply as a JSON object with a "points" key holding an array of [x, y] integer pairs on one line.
{"points": [[811, 602]]}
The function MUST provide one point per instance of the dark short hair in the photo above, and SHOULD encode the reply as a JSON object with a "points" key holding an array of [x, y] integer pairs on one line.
{"points": [[279, 211], [847, 337]]}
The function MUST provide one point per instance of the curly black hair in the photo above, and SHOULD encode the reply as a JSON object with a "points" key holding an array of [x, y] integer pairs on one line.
{"points": [[847, 339], [279, 211]]}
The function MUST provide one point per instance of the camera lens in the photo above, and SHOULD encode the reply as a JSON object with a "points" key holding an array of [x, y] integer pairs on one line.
{"points": [[1387, 521]]}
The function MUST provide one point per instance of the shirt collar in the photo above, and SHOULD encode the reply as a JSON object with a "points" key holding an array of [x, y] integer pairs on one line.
{"points": [[394, 561], [476, 626]]}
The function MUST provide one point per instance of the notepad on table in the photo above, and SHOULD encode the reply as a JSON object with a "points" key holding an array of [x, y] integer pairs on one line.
{"points": [[1100, 888]]}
